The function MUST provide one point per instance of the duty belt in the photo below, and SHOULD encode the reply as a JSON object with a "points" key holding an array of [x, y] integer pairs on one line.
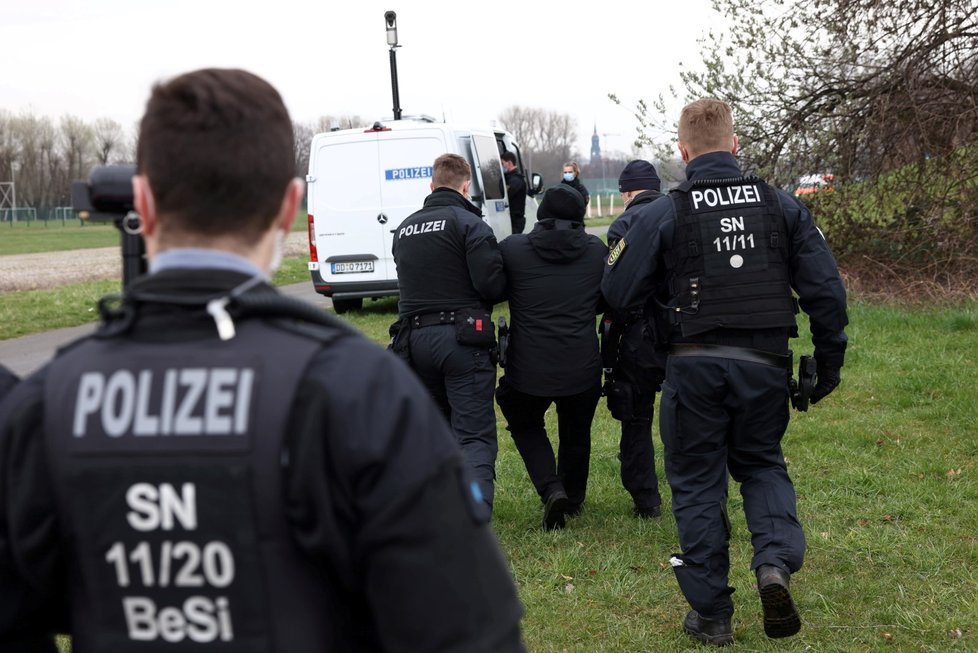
{"points": [[736, 353], [432, 319]]}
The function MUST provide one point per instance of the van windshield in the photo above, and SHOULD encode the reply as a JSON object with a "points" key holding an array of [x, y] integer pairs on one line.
{"points": [[492, 171]]}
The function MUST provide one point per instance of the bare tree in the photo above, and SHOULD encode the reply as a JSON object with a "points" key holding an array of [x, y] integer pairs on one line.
{"points": [[77, 141], [884, 95], [546, 137], [109, 141]]}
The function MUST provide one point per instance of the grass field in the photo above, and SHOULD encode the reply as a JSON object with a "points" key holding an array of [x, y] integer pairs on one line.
{"points": [[886, 471], [35, 237], [887, 482]]}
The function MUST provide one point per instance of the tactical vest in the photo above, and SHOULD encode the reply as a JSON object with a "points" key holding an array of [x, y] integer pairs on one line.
{"points": [[728, 264], [167, 464]]}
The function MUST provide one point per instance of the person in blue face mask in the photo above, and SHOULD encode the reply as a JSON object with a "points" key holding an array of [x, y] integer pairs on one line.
{"points": [[572, 177]]}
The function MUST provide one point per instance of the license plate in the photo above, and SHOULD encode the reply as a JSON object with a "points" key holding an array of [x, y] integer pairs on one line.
{"points": [[347, 267]]}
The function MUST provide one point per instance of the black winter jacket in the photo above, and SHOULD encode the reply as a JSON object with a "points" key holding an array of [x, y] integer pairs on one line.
{"points": [[554, 278]]}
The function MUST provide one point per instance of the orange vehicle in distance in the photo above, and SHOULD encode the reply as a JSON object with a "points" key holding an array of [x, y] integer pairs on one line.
{"points": [[810, 184]]}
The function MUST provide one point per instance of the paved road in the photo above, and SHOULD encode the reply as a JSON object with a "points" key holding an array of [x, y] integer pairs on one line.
{"points": [[25, 354]]}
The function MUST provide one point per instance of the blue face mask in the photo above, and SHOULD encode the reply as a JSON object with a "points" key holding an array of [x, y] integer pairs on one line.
{"points": [[568, 176]]}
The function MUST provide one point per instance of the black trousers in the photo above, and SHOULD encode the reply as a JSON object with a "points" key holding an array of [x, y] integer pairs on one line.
{"points": [[718, 414], [637, 451], [461, 379], [525, 415], [641, 368]]}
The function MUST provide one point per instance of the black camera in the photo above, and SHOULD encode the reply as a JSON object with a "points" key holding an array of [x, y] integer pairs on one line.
{"points": [[107, 197]]}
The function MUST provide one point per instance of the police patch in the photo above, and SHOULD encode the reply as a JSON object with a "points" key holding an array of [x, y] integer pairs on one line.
{"points": [[616, 252]]}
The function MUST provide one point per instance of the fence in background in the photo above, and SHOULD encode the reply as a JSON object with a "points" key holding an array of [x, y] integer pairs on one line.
{"points": [[30, 216]]}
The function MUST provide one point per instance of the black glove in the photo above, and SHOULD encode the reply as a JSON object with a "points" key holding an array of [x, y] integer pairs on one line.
{"points": [[826, 380]]}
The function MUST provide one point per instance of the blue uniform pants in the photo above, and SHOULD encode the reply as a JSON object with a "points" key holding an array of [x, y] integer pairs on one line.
{"points": [[718, 414], [461, 379]]}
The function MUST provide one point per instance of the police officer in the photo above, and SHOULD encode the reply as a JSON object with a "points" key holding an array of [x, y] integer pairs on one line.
{"points": [[554, 279], [209, 471], [723, 252], [7, 381], [450, 274], [633, 368], [516, 189]]}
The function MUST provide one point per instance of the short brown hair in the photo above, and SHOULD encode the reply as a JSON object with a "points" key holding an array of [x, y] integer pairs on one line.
{"points": [[451, 171], [218, 149], [706, 125]]}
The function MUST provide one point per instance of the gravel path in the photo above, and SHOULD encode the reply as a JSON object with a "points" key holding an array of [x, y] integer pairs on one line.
{"points": [[53, 269]]}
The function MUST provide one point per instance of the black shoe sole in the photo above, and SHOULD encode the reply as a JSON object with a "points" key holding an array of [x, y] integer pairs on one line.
{"points": [[712, 640], [553, 514], [780, 614]]}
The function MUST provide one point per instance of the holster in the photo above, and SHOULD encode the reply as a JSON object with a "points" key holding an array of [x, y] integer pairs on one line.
{"points": [[400, 343], [621, 400], [502, 345], [801, 389], [610, 334]]}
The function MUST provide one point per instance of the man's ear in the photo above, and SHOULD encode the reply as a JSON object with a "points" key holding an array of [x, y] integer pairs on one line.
{"points": [[145, 204], [290, 204], [683, 152], [736, 142]]}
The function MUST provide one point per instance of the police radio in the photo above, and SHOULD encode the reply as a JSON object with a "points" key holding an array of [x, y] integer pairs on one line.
{"points": [[107, 197]]}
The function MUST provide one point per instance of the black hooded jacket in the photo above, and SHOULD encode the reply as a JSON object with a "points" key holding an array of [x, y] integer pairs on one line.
{"points": [[554, 276]]}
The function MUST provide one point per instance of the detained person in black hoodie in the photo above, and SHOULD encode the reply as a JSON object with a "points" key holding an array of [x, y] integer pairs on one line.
{"points": [[553, 275]]}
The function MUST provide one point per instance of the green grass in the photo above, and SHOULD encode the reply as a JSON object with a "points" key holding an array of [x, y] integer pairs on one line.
{"points": [[32, 238], [36, 237], [887, 482], [886, 471], [33, 311]]}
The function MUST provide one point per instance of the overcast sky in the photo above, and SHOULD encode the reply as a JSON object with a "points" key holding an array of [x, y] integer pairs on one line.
{"points": [[462, 61]]}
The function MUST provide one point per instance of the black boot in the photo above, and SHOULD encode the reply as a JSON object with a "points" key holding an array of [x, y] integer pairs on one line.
{"points": [[716, 632], [554, 509], [780, 614]]}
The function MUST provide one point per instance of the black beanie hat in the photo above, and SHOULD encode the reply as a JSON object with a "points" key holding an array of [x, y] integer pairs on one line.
{"points": [[638, 175], [562, 202]]}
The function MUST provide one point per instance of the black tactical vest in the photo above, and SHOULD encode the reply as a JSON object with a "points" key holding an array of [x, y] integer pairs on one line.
{"points": [[166, 458], [728, 264]]}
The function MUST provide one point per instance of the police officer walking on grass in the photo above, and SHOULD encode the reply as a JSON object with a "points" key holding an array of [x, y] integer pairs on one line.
{"points": [[633, 367], [210, 470], [450, 274], [723, 253]]}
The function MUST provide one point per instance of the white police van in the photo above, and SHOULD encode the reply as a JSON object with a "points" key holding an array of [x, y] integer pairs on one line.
{"points": [[363, 183]]}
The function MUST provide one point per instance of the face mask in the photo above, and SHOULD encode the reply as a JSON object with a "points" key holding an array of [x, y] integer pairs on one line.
{"points": [[568, 176], [278, 252]]}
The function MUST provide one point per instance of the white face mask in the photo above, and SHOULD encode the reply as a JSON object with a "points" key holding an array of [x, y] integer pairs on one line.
{"points": [[278, 253]]}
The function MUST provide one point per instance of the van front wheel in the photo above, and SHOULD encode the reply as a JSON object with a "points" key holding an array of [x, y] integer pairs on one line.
{"points": [[344, 305]]}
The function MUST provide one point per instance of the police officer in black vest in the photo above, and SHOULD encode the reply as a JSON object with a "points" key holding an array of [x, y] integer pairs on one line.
{"points": [[723, 253], [450, 274], [219, 468], [633, 368]]}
